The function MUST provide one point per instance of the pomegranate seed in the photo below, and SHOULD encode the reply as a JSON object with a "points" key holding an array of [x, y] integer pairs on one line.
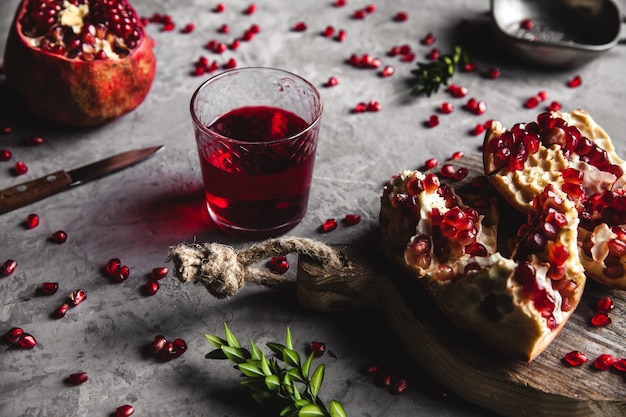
{"points": [[433, 54], [278, 264], [373, 369], [387, 71], [328, 32], [383, 380], [198, 70], [620, 364], [122, 273], [168, 27], [600, 319], [457, 91], [4, 129], [576, 81], [493, 73], [78, 378], [410, 57], [32, 221], [230, 64], [329, 225], [5, 155], [61, 311], [125, 410], [112, 267], [59, 237], [446, 107], [26, 341], [49, 288], [554, 106], [159, 273], [340, 3], [480, 181], [603, 362], [477, 130], [341, 36], [13, 334], [152, 287], [447, 171], [432, 121], [543, 95], [299, 27], [180, 347], [332, 81], [469, 67], [35, 140], [234, 45], [359, 14], [400, 17], [373, 106], [430, 163], [399, 386], [352, 219], [255, 28], [370, 8], [428, 40], [250, 9], [531, 102], [158, 344], [360, 108], [457, 155], [460, 174], [481, 108], [576, 358], [224, 28], [188, 28], [9, 267], [20, 168], [317, 349], [219, 8], [78, 296], [604, 305], [527, 24]]}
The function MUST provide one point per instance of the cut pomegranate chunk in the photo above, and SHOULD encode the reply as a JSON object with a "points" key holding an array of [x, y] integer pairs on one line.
{"points": [[278, 264]]}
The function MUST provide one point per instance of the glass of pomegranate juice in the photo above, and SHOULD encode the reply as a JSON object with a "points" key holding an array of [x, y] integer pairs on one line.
{"points": [[256, 131]]}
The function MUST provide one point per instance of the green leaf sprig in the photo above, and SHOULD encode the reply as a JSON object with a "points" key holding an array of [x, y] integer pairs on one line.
{"points": [[429, 76], [292, 386]]}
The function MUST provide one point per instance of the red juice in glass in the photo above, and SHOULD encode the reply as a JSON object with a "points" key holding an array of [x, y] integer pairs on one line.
{"points": [[261, 184]]}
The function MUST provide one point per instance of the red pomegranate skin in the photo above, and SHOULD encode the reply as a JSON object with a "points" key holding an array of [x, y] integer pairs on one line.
{"points": [[75, 92]]}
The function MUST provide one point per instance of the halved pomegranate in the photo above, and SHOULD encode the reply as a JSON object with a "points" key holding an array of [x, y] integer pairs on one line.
{"points": [[79, 62], [518, 305]]}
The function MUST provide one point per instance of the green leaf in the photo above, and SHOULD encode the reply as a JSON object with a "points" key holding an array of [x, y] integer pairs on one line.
{"points": [[291, 357], [316, 380], [216, 341], [250, 369], [288, 339], [235, 354], [216, 354], [277, 348], [335, 409], [256, 385], [295, 374], [230, 337], [272, 382], [289, 410], [265, 367], [296, 392], [306, 366], [311, 410], [256, 353]]}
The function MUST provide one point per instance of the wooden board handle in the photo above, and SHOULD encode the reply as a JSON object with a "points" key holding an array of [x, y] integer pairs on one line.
{"points": [[26, 193]]}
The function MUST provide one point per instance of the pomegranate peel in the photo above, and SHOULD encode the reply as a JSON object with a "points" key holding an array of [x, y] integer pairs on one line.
{"points": [[78, 67]]}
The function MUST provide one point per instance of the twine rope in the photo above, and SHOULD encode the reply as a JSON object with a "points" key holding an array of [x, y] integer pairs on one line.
{"points": [[224, 271]]}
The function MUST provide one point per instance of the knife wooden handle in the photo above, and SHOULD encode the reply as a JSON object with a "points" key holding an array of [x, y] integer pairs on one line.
{"points": [[26, 193]]}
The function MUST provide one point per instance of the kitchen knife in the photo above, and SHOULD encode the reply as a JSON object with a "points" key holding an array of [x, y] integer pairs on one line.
{"points": [[26, 193]]}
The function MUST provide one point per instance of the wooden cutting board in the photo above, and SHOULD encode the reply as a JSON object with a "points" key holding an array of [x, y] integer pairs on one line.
{"points": [[459, 360]]}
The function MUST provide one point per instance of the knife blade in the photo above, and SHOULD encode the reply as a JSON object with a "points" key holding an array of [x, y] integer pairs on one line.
{"points": [[29, 192]]}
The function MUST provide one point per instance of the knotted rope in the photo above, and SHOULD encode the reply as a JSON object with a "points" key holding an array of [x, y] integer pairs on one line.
{"points": [[223, 270]]}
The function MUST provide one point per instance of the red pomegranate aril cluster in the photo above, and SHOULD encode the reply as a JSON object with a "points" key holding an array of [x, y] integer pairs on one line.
{"points": [[75, 298], [278, 264], [364, 61], [21, 338], [385, 379], [372, 106], [603, 307], [116, 270], [165, 350], [457, 91], [477, 107]]}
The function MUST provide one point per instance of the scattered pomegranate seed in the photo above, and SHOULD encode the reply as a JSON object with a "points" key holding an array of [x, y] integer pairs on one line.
{"points": [[49, 288], [430, 163], [399, 387], [332, 81], [457, 91], [159, 273], [603, 362], [78, 378], [370, 8], [360, 108], [13, 334], [219, 8], [383, 380], [26, 341], [457, 155], [576, 358], [543, 95], [224, 28], [341, 36], [168, 27], [254, 28], [576, 81], [400, 17], [374, 106], [5, 155], [410, 57], [433, 54], [78, 296], [250, 9], [317, 348], [447, 171], [432, 121], [5, 129], [9, 267], [493, 73], [32, 221], [352, 219], [446, 107], [234, 45], [373, 369], [328, 32], [527, 24], [125, 410], [604, 305], [188, 28], [600, 319], [620, 364], [554, 106], [61, 311], [112, 266], [122, 273], [158, 344], [359, 14], [230, 64], [152, 287], [387, 71], [478, 129], [35, 140], [428, 40], [299, 27], [460, 174], [480, 181], [329, 225], [278, 264], [469, 67], [20, 168], [340, 3], [531, 102], [59, 237]]}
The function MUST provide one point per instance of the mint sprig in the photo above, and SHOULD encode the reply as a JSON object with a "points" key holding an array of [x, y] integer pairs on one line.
{"points": [[281, 380], [429, 76]]}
